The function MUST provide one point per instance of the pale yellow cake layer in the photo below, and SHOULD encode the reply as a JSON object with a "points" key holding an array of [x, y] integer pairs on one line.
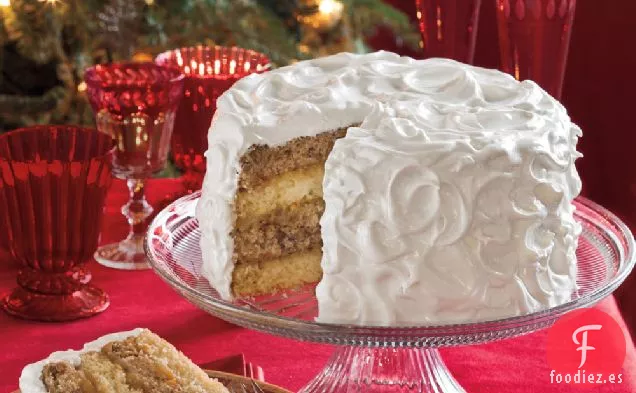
{"points": [[278, 192], [103, 375], [269, 276]]}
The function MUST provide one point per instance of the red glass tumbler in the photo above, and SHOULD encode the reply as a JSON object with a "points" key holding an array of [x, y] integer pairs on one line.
{"points": [[449, 28], [53, 184], [534, 38], [136, 104], [208, 72]]}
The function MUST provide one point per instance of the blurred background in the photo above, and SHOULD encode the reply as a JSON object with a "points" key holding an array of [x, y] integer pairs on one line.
{"points": [[45, 46]]}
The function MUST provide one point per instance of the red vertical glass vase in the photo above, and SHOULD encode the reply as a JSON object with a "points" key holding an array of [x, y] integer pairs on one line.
{"points": [[449, 28], [208, 72], [53, 184], [534, 38], [136, 104]]}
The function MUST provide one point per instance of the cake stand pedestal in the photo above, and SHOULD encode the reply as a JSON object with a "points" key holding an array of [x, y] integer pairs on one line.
{"points": [[381, 359], [357, 369]]}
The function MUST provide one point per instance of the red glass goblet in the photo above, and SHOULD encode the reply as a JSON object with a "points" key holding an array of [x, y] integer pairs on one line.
{"points": [[53, 184], [136, 104], [534, 38], [449, 28], [209, 72]]}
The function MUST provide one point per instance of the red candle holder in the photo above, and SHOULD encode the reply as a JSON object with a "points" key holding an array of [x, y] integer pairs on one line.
{"points": [[136, 104], [208, 72], [449, 28], [53, 184], [534, 38]]}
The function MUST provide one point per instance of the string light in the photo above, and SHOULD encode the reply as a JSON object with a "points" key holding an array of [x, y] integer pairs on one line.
{"points": [[52, 3], [7, 3], [328, 14], [81, 87], [330, 6]]}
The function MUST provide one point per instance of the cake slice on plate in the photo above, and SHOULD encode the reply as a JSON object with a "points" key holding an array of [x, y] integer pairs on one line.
{"points": [[137, 361]]}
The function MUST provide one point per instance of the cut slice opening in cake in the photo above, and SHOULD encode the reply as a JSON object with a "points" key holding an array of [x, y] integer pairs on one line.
{"points": [[277, 211]]}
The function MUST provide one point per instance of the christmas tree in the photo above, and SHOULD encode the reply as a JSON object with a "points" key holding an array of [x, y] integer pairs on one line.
{"points": [[45, 45]]}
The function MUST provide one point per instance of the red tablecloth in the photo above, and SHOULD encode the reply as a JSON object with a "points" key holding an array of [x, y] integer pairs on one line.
{"points": [[141, 299]]}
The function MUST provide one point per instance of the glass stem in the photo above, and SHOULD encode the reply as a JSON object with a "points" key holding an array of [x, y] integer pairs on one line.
{"points": [[137, 210]]}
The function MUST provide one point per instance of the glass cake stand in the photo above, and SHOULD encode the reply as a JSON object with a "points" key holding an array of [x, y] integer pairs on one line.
{"points": [[381, 359]]}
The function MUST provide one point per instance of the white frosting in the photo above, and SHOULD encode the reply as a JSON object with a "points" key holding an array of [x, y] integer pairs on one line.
{"points": [[450, 203], [30, 379]]}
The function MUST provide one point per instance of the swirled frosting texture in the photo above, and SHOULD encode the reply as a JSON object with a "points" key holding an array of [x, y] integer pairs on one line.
{"points": [[450, 203]]}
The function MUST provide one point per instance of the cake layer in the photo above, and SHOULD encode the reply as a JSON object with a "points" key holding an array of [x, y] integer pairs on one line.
{"points": [[272, 275], [104, 375], [62, 377], [278, 193], [283, 231], [262, 162]]}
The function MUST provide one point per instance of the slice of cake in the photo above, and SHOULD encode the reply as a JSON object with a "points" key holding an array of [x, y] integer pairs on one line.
{"points": [[413, 191], [138, 361]]}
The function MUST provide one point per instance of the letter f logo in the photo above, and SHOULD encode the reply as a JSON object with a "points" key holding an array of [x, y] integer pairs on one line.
{"points": [[583, 343]]}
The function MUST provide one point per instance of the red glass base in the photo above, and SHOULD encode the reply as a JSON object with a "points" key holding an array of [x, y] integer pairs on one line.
{"points": [[83, 303], [126, 255]]}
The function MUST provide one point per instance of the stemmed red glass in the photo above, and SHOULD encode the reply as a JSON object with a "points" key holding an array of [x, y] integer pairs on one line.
{"points": [[209, 72], [53, 184], [534, 38], [449, 28], [136, 104]]}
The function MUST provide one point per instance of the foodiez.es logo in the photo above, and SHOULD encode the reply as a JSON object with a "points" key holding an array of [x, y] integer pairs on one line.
{"points": [[586, 348]]}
